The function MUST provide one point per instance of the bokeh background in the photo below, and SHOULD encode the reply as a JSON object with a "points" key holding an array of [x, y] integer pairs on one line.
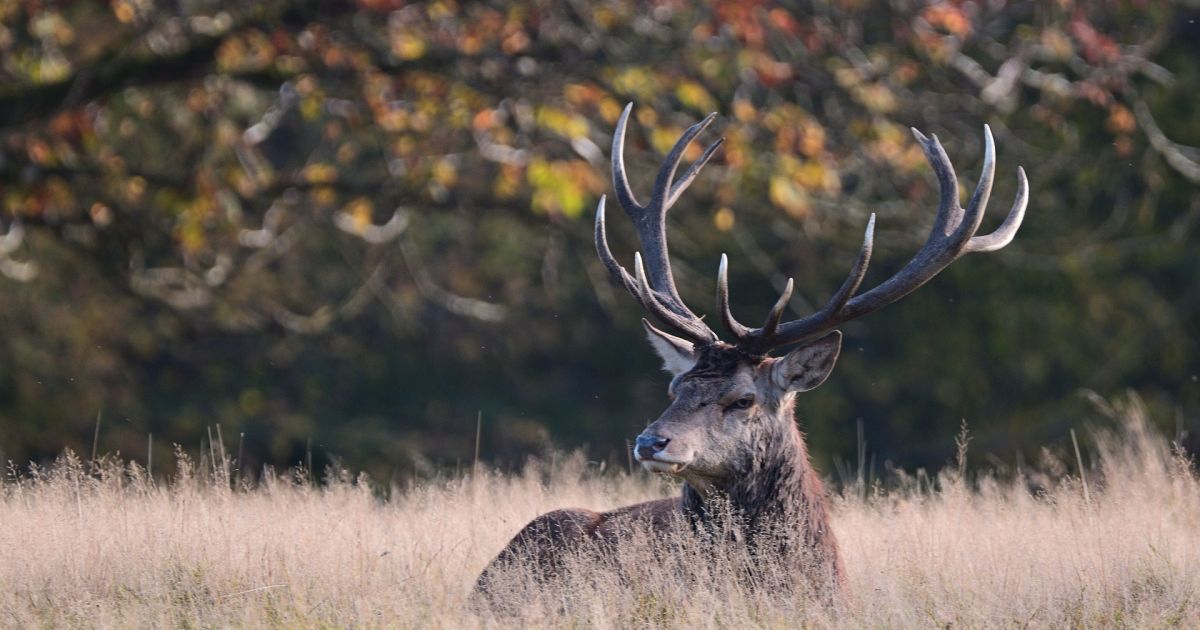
{"points": [[353, 229]]}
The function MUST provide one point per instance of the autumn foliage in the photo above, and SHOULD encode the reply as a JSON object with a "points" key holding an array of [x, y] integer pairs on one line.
{"points": [[351, 227]]}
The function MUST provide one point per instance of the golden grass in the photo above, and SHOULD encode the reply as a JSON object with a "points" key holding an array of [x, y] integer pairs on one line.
{"points": [[107, 548]]}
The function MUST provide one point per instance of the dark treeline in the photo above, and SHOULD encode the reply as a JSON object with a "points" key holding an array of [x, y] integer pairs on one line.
{"points": [[353, 227]]}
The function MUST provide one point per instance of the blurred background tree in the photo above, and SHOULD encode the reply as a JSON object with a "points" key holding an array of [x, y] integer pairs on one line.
{"points": [[351, 227]]}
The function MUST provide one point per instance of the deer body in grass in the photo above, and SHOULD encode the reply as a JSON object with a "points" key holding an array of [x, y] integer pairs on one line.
{"points": [[729, 432]]}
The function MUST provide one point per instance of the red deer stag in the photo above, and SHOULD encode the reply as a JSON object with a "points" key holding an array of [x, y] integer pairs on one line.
{"points": [[729, 432]]}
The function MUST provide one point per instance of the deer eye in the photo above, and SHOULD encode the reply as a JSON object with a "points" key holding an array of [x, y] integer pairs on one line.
{"points": [[741, 403]]}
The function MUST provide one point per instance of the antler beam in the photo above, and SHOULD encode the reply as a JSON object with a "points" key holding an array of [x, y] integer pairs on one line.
{"points": [[654, 284], [952, 236]]}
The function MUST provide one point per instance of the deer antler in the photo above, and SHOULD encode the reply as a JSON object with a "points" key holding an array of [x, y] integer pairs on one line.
{"points": [[952, 236], [654, 285]]}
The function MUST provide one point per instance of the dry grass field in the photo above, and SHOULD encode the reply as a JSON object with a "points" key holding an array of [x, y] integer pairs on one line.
{"points": [[100, 546]]}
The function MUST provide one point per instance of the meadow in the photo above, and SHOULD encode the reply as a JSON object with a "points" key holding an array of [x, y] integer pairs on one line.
{"points": [[100, 544]]}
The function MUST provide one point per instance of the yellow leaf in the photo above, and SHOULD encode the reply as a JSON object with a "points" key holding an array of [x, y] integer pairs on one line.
{"points": [[563, 123], [646, 116], [1057, 43], [605, 17], [811, 175], [508, 182], [191, 236], [124, 12], [812, 139], [723, 219], [571, 201], [610, 110], [744, 110], [784, 193], [876, 98], [323, 195], [408, 47], [581, 93], [949, 18], [134, 188], [1120, 119], [693, 95], [445, 173], [310, 108], [539, 173], [561, 187], [636, 81], [319, 173]]}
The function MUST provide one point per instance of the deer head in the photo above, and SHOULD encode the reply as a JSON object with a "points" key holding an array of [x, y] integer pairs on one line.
{"points": [[731, 402]]}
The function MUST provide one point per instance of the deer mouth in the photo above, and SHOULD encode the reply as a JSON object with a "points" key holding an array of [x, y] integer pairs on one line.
{"points": [[665, 468], [663, 464]]}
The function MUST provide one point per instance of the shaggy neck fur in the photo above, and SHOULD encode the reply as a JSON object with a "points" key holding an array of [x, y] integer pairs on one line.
{"points": [[774, 502]]}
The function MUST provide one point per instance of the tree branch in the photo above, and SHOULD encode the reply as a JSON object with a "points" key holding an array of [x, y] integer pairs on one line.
{"points": [[1184, 159]]}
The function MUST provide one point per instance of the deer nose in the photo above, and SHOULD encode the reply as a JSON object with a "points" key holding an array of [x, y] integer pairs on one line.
{"points": [[649, 445]]}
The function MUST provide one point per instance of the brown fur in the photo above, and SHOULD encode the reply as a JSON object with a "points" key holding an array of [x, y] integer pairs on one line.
{"points": [[761, 482]]}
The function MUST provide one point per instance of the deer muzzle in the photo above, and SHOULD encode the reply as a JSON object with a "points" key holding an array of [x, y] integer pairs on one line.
{"points": [[651, 451]]}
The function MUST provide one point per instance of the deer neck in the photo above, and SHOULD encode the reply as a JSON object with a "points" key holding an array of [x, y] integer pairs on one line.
{"points": [[774, 488]]}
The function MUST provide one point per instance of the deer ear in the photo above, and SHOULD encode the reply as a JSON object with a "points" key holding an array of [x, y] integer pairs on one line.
{"points": [[678, 355], [808, 366]]}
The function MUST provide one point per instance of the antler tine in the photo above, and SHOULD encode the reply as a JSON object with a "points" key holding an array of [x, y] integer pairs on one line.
{"points": [[857, 272], [645, 293], [693, 327], [983, 190], [761, 340], [606, 257], [690, 174], [664, 189], [776, 313], [1004, 234], [949, 213], [962, 224], [739, 331], [620, 180]]}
